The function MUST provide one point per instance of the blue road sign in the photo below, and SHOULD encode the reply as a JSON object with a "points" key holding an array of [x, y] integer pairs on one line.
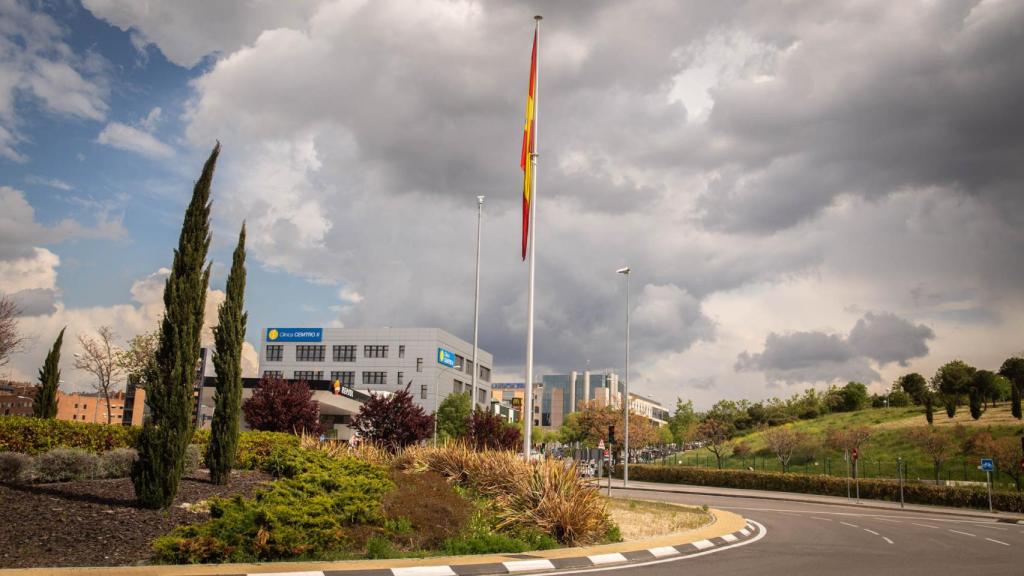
{"points": [[987, 465]]}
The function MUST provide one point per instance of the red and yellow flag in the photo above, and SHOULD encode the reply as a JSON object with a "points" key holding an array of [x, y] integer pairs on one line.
{"points": [[529, 145]]}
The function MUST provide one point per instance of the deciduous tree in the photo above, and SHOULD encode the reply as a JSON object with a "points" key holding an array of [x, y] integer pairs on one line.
{"points": [[393, 422], [166, 434], [486, 430], [11, 339], [282, 406], [716, 435], [935, 444], [453, 416], [44, 405], [915, 385], [228, 336], [784, 442], [99, 358]]}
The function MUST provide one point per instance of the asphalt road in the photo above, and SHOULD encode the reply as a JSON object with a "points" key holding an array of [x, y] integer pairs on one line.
{"points": [[817, 539]]}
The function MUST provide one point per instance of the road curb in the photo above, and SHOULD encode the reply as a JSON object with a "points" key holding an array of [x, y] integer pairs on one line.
{"points": [[1006, 517], [728, 529]]}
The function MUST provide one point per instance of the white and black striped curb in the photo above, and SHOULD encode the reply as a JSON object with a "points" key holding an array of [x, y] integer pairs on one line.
{"points": [[526, 563]]}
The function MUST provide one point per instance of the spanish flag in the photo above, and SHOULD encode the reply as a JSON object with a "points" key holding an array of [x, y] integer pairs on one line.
{"points": [[529, 144]]}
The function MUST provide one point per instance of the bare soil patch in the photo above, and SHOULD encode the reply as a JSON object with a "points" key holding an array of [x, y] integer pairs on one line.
{"points": [[96, 522], [639, 519]]}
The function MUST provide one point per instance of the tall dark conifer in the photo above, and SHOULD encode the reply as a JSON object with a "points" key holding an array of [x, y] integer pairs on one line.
{"points": [[45, 403], [166, 435], [227, 360]]}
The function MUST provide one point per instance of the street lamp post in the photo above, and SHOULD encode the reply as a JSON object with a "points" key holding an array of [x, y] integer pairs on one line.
{"points": [[625, 393]]}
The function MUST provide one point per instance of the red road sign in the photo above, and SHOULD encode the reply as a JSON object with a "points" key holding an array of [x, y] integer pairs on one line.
{"points": [[855, 454], [606, 453]]}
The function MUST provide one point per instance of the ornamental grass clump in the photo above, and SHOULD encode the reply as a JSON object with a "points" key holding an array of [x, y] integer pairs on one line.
{"points": [[548, 495]]}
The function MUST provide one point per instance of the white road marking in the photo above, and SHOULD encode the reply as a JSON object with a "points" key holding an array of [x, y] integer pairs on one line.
{"points": [[997, 541], [612, 558], [964, 533], [745, 532], [761, 533], [850, 525], [924, 525], [312, 573], [886, 520], [703, 544], [729, 538], [871, 531], [424, 571], [825, 519], [662, 551], [993, 527], [528, 565], [886, 539]]}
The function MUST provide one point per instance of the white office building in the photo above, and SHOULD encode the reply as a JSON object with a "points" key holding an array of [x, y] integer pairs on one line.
{"points": [[433, 361]]}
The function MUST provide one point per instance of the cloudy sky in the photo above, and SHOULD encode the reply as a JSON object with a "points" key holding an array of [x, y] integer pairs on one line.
{"points": [[807, 192]]}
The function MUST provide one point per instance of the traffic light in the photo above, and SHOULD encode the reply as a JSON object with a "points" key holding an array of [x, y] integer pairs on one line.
{"points": [[611, 434]]}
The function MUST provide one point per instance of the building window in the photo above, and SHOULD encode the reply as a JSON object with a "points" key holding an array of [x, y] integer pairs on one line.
{"points": [[273, 374], [401, 378], [419, 364], [457, 387], [375, 377], [459, 362], [423, 392], [481, 395], [468, 366], [275, 353], [308, 375], [375, 351], [346, 378], [309, 353], [345, 353], [485, 373], [401, 351]]}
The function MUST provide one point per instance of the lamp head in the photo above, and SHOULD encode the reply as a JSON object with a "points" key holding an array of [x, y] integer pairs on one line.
{"points": [[623, 270], [480, 199]]}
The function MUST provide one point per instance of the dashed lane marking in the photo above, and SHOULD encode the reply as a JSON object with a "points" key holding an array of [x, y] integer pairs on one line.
{"points": [[993, 527], [964, 533], [997, 541], [871, 532], [924, 525], [887, 520], [886, 539], [850, 525], [825, 519]]}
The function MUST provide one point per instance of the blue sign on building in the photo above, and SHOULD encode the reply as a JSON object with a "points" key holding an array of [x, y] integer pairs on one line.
{"points": [[295, 334], [446, 357]]}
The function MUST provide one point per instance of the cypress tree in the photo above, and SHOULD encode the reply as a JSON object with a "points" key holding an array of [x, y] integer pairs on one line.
{"points": [[45, 403], [975, 403], [1015, 400], [166, 435], [227, 360], [928, 409]]}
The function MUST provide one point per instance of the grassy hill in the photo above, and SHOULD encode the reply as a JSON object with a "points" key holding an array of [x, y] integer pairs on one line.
{"points": [[889, 441]]}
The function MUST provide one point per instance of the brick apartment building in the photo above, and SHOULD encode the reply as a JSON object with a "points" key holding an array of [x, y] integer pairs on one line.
{"points": [[16, 398]]}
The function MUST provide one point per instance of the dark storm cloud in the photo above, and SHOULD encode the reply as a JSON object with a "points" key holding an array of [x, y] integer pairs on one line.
{"points": [[820, 357], [887, 338]]}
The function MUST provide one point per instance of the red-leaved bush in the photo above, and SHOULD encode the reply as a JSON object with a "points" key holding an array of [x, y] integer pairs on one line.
{"points": [[280, 406]]}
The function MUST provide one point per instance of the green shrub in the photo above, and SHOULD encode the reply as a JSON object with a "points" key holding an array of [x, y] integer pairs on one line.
{"points": [[916, 493], [318, 508], [193, 460], [379, 548], [37, 435], [14, 466], [117, 463], [63, 464]]}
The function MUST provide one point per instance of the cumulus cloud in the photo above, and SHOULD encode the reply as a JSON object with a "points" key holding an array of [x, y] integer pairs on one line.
{"points": [[38, 66], [131, 139], [811, 357], [728, 153]]}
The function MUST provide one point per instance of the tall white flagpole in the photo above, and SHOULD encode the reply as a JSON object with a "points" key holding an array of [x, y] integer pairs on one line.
{"points": [[476, 298], [528, 408]]}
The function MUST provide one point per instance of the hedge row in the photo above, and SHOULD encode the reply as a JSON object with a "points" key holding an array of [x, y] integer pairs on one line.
{"points": [[915, 493], [38, 435]]}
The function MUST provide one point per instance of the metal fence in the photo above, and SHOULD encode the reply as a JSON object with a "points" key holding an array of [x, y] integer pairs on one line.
{"points": [[953, 471]]}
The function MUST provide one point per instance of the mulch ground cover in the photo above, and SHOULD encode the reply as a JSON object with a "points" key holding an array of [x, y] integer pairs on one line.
{"points": [[96, 522]]}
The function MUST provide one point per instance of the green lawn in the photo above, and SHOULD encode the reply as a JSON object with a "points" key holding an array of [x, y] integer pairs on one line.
{"points": [[878, 456]]}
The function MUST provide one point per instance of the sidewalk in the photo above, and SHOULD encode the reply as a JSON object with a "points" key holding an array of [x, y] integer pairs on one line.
{"points": [[815, 499]]}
